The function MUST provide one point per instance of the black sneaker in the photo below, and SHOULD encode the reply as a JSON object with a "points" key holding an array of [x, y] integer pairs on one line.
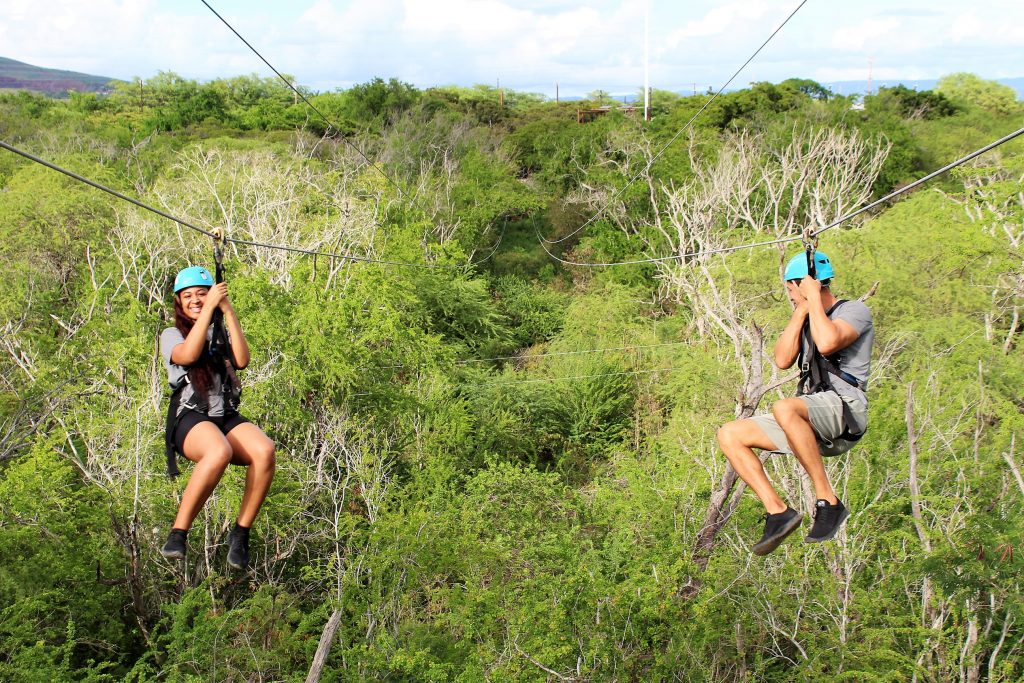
{"points": [[175, 547], [776, 528], [827, 520], [238, 548]]}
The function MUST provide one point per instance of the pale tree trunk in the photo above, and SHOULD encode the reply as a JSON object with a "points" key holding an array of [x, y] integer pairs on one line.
{"points": [[931, 616], [352, 460], [316, 669]]}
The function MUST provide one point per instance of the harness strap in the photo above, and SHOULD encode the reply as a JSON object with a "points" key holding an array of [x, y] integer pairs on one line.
{"points": [[219, 343], [220, 348], [815, 369], [170, 427]]}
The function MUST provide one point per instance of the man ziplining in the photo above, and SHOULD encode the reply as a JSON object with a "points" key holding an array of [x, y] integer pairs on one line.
{"points": [[832, 340]]}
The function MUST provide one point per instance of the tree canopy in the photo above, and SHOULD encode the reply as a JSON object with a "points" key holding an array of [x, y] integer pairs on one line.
{"points": [[505, 468]]}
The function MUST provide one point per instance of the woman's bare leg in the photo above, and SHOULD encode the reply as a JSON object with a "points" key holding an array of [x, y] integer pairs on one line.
{"points": [[254, 450], [210, 451]]}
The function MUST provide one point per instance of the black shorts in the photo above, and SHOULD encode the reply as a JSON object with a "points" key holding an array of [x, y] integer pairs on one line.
{"points": [[190, 418]]}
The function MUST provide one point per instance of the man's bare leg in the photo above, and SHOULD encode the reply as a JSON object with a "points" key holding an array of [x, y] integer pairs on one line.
{"points": [[737, 440], [791, 414]]}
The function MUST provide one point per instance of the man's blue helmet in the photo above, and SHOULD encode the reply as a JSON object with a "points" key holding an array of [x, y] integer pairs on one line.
{"points": [[796, 269], [193, 276]]}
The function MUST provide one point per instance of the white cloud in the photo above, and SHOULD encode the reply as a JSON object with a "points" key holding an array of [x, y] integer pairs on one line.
{"points": [[722, 20], [868, 34], [583, 44], [883, 74]]}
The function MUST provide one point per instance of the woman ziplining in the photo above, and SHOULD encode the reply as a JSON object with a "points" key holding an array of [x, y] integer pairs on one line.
{"points": [[203, 422], [831, 340]]}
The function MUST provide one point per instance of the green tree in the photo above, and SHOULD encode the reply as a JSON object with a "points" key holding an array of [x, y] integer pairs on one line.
{"points": [[912, 104], [813, 89], [973, 91]]}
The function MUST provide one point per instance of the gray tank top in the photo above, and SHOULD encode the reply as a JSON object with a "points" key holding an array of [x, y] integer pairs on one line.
{"points": [[178, 374]]}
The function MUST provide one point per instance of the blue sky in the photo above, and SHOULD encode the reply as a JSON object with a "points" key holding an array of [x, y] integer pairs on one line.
{"points": [[524, 44]]}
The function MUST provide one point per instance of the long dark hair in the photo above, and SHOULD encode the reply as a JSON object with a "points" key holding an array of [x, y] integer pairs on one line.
{"points": [[200, 372]]}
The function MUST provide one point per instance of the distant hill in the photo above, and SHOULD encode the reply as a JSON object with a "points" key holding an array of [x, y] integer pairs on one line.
{"points": [[15, 75]]}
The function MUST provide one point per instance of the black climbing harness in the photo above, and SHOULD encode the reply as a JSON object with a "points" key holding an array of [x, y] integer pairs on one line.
{"points": [[222, 363], [816, 372], [817, 369]]}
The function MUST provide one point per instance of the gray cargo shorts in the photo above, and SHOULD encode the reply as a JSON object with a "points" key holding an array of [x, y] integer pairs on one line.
{"points": [[825, 410]]}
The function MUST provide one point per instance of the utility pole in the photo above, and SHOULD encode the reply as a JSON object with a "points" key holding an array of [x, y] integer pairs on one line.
{"points": [[556, 94], [871, 72], [142, 104], [647, 61]]}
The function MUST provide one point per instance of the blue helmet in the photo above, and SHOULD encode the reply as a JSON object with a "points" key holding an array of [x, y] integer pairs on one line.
{"points": [[796, 269], [193, 276]]}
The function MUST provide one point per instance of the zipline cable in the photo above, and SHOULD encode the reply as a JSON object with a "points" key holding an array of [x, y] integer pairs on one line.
{"points": [[682, 130], [570, 353], [104, 188], [673, 257], [401, 191], [793, 238], [920, 181], [526, 356], [364, 259], [559, 379], [213, 235]]}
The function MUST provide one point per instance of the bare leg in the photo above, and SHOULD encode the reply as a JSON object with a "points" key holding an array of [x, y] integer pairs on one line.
{"points": [[207, 447], [791, 414], [737, 440], [255, 451]]}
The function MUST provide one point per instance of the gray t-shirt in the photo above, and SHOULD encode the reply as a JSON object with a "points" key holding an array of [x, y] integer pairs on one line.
{"points": [[176, 374], [855, 359]]}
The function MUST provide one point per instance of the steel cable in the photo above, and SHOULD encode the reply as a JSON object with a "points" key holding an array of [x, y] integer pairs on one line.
{"points": [[682, 130], [723, 250]]}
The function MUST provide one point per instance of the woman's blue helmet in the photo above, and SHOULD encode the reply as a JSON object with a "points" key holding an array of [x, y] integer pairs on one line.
{"points": [[193, 276], [796, 269]]}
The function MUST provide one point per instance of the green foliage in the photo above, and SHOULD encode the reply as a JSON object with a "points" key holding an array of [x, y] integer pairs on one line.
{"points": [[907, 103], [495, 472], [763, 99], [660, 101], [813, 89], [535, 314], [181, 102], [970, 90], [367, 106], [552, 147]]}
